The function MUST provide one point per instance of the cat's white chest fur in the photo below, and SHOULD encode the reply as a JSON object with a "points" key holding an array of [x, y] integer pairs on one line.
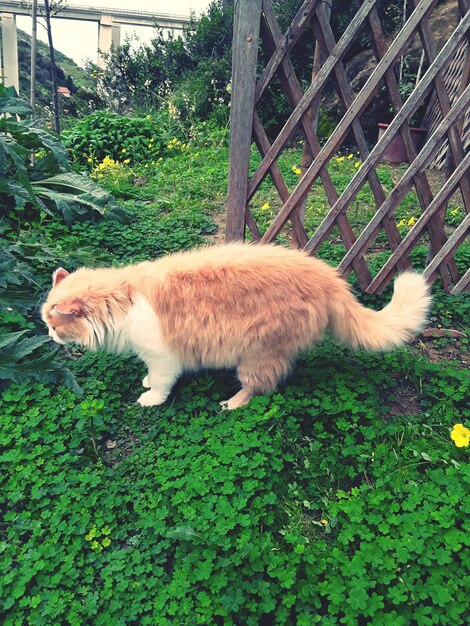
{"points": [[142, 328], [144, 337]]}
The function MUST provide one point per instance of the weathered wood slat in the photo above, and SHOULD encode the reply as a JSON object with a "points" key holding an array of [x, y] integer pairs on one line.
{"points": [[252, 225], [294, 94], [244, 58], [316, 159], [459, 234], [293, 91], [436, 227], [423, 188], [404, 185], [307, 155], [286, 42], [455, 141], [463, 284], [324, 34], [343, 45], [418, 229], [263, 144], [376, 153], [358, 107]]}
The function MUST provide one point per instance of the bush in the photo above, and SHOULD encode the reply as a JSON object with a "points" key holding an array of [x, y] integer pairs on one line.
{"points": [[103, 134], [36, 172], [36, 183], [194, 65]]}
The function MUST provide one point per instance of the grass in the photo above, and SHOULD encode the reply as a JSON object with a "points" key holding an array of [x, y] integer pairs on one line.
{"points": [[340, 499]]}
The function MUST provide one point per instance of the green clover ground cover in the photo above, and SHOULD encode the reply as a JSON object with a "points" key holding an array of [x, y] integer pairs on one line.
{"points": [[340, 499]]}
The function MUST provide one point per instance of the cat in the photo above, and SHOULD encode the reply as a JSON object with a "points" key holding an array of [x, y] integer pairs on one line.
{"points": [[244, 306]]}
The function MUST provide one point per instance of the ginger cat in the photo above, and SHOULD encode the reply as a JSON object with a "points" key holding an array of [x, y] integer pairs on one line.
{"points": [[249, 307]]}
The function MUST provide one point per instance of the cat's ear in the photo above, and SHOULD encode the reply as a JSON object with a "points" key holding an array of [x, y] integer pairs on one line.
{"points": [[69, 307], [58, 276]]}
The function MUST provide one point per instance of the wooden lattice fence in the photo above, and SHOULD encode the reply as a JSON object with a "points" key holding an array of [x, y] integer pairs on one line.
{"points": [[255, 24]]}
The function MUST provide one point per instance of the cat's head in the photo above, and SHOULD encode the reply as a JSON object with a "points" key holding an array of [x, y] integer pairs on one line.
{"points": [[64, 312]]}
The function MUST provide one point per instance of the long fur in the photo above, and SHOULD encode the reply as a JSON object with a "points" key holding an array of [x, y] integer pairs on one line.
{"points": [[253, 307]]}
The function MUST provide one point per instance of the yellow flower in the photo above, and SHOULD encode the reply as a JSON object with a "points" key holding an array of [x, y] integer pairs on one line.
{"points": [[401, 223], [460, 436], [89, 160], [455, 211], [350, 156], [324, 522], [123, 150], [126, 161], [357, 164], [151, 140], [296, 170], [340, 159], [265, 206], [411, 221]]}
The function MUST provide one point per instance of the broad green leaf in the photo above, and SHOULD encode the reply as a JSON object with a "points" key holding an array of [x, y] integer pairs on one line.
{"points": [[76, 183], [26, 346], [19, 298], [11, 103], [9, 338]]}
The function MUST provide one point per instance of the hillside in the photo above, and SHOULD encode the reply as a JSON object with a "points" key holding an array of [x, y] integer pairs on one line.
{"points": [[68, 73]]}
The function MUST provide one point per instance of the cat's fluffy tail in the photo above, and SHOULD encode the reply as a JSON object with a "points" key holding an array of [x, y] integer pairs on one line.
{"points": [[393, 326]]}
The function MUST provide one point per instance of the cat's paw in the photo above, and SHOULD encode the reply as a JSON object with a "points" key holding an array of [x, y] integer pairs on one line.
{"points": [[239, 399], [151, 398], [228, 405], [145, 382]]}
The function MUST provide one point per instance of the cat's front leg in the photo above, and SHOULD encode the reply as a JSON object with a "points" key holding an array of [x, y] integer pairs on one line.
{"points": [[164, 370]]}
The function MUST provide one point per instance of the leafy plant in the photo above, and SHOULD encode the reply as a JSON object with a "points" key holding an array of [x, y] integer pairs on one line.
{"points": [[90, 418], [192, 64], [21, 359], [124, 139], [15, 282], [36, 172]]}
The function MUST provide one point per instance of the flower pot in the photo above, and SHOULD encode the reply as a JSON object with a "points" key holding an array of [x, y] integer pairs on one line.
{"points": [[395, 151]]}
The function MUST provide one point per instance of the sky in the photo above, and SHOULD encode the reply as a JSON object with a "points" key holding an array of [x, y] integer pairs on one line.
{"points": [[79, 40]]}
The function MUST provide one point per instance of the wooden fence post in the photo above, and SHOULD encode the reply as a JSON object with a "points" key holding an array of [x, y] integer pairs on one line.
{"points": [[244, 58]]}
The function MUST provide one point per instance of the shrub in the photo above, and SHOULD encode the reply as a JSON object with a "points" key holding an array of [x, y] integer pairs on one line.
{"points": [[36, 182], [124, 139], [139, 79], [36, 174]]}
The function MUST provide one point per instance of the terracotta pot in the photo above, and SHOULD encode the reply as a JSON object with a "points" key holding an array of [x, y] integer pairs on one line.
{"points": [[395, 151]]}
